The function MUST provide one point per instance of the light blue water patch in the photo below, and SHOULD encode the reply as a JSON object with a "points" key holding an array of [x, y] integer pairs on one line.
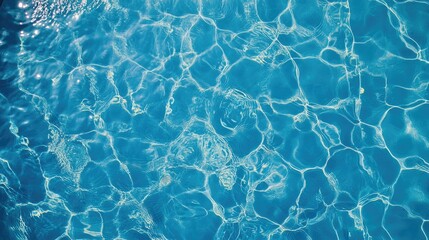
{"points": [[165, 119]]}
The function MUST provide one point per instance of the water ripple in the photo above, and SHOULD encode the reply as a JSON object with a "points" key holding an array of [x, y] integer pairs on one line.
{"points": [[214, 119]]}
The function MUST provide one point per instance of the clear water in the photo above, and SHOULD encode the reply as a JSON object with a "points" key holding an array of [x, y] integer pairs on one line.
{"points": [[210, 119]]}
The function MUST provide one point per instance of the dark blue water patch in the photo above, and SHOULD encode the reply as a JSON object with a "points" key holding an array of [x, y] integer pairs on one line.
{"points": [[373, 213], [401, 225], [317, 186]]}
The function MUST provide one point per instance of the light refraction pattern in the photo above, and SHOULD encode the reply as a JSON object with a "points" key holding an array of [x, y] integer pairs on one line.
{"points": [[214, 119]]}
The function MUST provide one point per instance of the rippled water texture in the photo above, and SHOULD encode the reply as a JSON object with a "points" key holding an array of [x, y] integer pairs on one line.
{"points": [[214, 119]]}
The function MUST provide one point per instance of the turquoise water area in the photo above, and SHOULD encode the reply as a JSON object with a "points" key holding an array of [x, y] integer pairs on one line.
{"points": [[214, 119]]}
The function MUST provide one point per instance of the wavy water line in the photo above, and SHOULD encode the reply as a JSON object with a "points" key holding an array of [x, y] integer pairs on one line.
{"points": [[144, 120]]}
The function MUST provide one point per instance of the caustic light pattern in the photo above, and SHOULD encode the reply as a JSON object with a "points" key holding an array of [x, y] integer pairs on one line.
{"points": [[226, 119]]}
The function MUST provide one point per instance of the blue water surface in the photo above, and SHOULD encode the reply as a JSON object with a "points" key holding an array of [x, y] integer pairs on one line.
{"points": [[214, 119]]}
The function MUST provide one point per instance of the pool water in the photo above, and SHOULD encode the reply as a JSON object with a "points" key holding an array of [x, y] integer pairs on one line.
{"points": [[214, 119]]}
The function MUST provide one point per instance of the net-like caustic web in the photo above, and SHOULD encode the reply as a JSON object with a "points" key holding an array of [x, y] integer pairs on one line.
{"points": [[134, 119]]}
